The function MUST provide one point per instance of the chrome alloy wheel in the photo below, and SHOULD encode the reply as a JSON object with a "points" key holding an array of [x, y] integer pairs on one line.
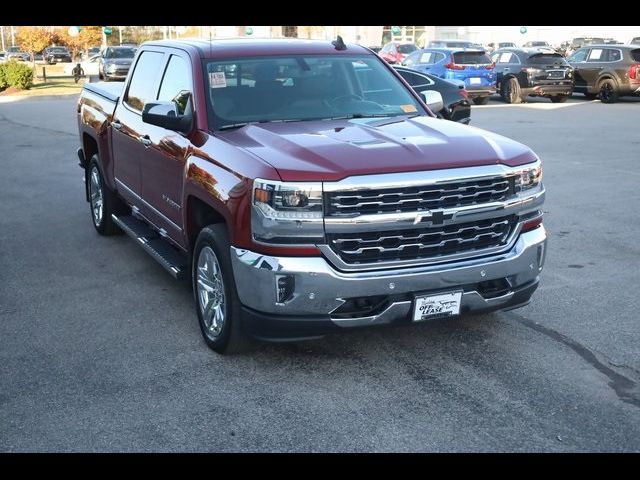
{"points": [[210, 288], [97, 199]]}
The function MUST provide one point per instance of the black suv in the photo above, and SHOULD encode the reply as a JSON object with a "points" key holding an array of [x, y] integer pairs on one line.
{"points": [[607, 71], [530, 71], [52, 55]]}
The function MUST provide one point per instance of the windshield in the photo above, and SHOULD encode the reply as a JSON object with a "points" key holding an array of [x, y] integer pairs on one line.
{"points": [[539, 44], [119, 53], [300, 87], [58, 50], [407, 48]]}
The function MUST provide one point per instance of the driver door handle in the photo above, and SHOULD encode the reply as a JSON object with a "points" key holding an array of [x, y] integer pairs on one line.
{"points": [[145, 140]]}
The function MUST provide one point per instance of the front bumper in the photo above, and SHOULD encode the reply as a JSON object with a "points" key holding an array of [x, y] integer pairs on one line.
{"points": [[320, 290]]}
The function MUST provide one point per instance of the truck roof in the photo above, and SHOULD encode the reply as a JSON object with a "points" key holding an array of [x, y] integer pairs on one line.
{"points": [[244, 47]]}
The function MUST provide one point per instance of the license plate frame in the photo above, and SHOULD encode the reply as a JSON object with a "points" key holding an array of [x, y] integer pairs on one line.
{"points": [[475, 81], [436, 305]]}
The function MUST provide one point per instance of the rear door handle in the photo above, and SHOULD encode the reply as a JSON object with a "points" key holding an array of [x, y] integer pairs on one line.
{"points": [[145, 140], [116, 124]]}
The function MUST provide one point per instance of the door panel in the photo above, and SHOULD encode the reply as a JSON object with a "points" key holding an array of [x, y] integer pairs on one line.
{"points": [[163, 164], [128, 127]]}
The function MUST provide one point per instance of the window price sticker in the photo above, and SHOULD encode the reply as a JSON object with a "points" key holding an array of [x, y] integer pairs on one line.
{"points": [[217, 80]]}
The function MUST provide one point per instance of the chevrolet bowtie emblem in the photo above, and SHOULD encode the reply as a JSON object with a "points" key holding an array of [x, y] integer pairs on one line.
{"points": [[434, 217]]}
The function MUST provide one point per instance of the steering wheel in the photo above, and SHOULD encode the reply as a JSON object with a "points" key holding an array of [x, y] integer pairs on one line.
{"points": [[342, 98]]}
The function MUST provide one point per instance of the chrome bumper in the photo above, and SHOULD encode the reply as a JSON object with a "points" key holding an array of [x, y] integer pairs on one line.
{"points": [[320, 289]]}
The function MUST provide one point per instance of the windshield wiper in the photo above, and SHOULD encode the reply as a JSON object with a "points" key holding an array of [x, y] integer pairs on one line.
{"points": [[234, 125], [242, 124]]}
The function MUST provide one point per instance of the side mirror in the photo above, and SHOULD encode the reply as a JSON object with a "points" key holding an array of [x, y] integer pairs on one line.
{"points": [[165, 115], [433, 100]]}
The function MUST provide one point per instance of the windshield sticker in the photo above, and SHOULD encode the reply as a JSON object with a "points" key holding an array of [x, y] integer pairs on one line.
{"points": [[408, 108], [217, 80]]}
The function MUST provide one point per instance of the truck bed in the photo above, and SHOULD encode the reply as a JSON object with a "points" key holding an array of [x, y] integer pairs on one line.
{"points": [[108, 90]]}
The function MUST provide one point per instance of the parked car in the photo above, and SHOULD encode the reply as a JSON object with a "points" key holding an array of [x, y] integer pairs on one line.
{"points": [[495, 46], [455, 98], [15, 53], [453, 44], [115, 62], [634, 41], [53, 55], [530, 71], [396, 52], [579, 42], [540, 45], [90, 53], [307, 191], [3, 57], [471, 66], [607, 71]]}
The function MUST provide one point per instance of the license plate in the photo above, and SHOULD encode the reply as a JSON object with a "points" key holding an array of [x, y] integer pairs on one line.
{"points": [[475, 81], [556, 74], [436, 306]]}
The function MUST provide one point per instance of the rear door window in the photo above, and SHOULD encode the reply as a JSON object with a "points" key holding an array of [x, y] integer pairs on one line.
{"points": [[145, 79], [596, 55], [415, 79], [635, 54], [471, 58]]}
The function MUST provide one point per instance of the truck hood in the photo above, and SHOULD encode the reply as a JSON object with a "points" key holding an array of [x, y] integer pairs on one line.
{"points": [[329, 150]]}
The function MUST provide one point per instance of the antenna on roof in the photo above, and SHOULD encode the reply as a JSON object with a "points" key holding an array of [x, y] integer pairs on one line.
{"points": [[339, 43]]}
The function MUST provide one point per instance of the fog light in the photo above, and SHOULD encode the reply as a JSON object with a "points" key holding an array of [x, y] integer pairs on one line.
{"points": [[285, 285]]}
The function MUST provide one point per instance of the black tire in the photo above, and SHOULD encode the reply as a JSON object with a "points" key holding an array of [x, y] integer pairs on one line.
{"points": [[559, 98], [510, 90], [481, 100], [590, 96], [110, 203], [100, 76], [608, 91], [229, 338]]}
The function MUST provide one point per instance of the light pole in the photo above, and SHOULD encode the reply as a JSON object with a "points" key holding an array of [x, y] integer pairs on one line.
{"points": [[13, 37], [2, 35]]}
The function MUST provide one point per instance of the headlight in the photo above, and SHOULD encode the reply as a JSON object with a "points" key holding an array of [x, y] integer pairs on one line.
{"points": [[287, 213], [529, 178]]}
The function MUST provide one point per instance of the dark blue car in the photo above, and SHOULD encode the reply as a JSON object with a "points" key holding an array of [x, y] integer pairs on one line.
{"points": [[470, 65]]}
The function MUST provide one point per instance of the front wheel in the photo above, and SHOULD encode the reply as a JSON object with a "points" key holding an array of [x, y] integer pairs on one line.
{"points": [[559, 98], [608, 91], [217, 302], [481, 100]]}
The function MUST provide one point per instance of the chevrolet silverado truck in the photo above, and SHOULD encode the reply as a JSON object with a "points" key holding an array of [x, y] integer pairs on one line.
{"points": [[305, 188]]}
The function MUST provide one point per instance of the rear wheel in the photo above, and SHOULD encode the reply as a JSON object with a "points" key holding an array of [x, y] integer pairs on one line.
{"points": [[608, 91], [103, 202], [481, 100], [217, 302], [559, 98], [510, 90]]}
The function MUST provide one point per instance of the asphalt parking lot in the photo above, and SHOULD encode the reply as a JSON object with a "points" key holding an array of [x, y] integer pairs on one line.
{"points": [[100, 349]]}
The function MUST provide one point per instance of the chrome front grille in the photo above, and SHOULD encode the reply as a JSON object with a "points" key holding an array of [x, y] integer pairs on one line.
{"points": [[417, 198], [432, 242]]}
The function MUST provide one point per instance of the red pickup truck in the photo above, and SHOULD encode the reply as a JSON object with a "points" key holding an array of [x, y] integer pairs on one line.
{"points": [[305, 189]]}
